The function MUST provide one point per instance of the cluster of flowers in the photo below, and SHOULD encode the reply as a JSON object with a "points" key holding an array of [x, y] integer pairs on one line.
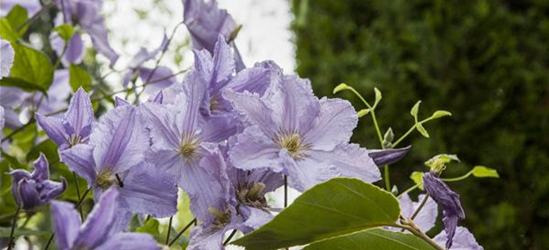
{"points": [[227, 135]]}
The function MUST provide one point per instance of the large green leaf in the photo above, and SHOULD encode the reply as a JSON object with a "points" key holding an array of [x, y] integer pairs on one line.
{"points": [[20, 83], [32, 66], [337, 207], [373, 239]]}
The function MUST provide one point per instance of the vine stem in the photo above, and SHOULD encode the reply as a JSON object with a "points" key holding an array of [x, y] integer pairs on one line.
{"points": [[78, 194], [169, 230], [182, 231], [412, 228], [420, 207], [11, 242], [229, 238]]}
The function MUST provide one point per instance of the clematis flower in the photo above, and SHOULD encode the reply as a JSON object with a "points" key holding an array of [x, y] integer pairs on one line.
{"points": [[98, 232], [160, 78], [449, 201], [206, 22], [180, 137], [289, 130], [215, 204], [8, 56], [32, 190], [75, 49], [219, 74], [384, 157], [114, 157], [87, 14], [75, 126]]}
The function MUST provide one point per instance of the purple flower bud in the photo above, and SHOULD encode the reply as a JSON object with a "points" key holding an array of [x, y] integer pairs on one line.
{"points": [[449, 201], [32, 190], [383, 157]]}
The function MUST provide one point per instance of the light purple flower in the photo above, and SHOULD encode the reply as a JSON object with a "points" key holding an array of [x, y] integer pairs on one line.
{"points": [[384, 157], [75, 49], [2, 124], [180, 136], [463, 240], [32, 6], [8, 56], [75, 126], [214, 205], [114, 157], [32, 190], [87, 14], [99, 231], [219, 73], [290, 130], [449, 201], [206, 22]]}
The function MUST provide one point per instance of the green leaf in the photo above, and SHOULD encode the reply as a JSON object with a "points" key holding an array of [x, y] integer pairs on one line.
{"points": [[341, 87], [415, 110], [373, 239], [17, 17], [32, 66], [79, 77], [20, 83], [378, 97], [337, 207], [7, 32], [65, 31], [484, 172], [417, 177], [363, 112], [151, 227], [422, 130], [440, 113]]}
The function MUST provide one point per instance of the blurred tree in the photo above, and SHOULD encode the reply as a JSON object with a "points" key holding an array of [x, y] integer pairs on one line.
{"points": [[485, 61]]}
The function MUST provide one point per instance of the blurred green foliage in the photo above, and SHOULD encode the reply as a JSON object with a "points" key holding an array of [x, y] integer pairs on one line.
{"points": [[485, 61]]}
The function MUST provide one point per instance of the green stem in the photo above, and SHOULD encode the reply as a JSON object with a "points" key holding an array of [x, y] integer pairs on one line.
{"points": [[49, 241], [408, 190], [404, 136], [387, 179], [11, 242], [412, 228], [463, 177], [35, 17]]}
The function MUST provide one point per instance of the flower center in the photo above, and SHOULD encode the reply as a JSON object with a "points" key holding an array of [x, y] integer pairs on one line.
{"points": [[105, 179], [189, 146], [214, 103], [251, 195], [222, 218], [292, 142]]}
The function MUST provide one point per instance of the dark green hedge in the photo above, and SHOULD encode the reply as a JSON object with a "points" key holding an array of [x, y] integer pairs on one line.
{"points": [[486, 61]]}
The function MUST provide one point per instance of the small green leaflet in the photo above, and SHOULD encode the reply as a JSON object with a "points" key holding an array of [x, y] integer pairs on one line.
{"points": [[484, 172], [79, 77]]}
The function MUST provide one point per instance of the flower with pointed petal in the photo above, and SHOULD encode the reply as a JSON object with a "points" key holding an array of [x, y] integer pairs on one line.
{"points": [[449, 201], [98, 232], [290, 130], [115, 157], [463, 240], [32, 190], [75, 126]]}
